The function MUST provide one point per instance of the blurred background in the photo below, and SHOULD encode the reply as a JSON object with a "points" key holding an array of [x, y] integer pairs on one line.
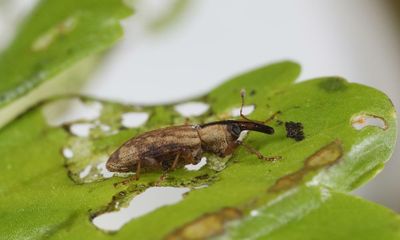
{"points": [[176, 49]]}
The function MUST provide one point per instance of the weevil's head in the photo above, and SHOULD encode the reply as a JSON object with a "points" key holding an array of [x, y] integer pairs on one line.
{"points": [[237, 127], [222, 137]]}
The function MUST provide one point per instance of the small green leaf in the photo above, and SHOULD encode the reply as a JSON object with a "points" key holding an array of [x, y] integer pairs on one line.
{"points": [[350, 132], [56, 36], [318, 213]]}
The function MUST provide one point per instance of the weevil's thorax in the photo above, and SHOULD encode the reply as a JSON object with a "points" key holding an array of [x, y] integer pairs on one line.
{"points": [[217, 139]]}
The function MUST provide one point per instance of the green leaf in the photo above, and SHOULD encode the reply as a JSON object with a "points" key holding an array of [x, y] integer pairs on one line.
{"points": [[56, 36], [317, 213], [39, 184]]}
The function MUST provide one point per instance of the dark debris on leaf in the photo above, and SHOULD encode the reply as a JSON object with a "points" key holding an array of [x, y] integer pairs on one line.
{"points": [[294, 130]]}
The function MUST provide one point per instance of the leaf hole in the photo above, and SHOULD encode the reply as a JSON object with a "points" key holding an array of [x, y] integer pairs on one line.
{"points": [[134, 119], [65, 111], [144, 203], [247, 110], [361, 121], [81, 129], [67, 153], [254, 213], [198, 166], [101, 167], [192, 109], [85, 172]]}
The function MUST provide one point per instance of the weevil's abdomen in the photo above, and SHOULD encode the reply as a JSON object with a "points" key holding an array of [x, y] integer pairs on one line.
{"points": [[155, 149], [119, 163]]}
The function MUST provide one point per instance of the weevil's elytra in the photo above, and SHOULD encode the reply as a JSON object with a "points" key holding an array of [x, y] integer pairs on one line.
{"points": [[176, 146]]}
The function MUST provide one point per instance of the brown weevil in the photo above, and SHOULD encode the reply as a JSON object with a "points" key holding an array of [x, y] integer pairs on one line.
{"points": [[172, 147]]}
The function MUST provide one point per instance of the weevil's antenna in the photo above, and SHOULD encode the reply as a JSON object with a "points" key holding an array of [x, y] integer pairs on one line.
{"points": [[242, 95]]}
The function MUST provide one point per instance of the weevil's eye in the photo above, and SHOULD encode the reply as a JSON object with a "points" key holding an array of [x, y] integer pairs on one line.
{"points": [[235, 130]]}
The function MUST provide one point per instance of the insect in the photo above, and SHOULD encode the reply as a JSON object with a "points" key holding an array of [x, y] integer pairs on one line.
{"points": [[172, 147]]}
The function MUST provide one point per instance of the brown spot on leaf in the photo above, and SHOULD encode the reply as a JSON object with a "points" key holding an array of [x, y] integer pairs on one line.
{"points": [[326, 156], [208, 225]]}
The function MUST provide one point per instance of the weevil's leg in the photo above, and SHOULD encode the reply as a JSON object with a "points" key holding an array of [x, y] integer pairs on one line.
{"points": [[187, 121], [175, 161], [257, 153], [126, 181], [186, 154], [161, 179], [132, 178], [165, 172], [189, 157], [138, 169]]}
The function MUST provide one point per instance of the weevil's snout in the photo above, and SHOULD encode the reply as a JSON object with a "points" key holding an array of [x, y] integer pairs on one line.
{"points": [[115, 164], [258, 127]]}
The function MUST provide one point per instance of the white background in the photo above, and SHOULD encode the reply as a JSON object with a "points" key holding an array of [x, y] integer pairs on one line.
{"points": [[215, 39]]}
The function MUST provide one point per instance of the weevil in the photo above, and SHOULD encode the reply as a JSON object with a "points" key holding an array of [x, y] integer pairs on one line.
{"points": [[172, 147]]}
